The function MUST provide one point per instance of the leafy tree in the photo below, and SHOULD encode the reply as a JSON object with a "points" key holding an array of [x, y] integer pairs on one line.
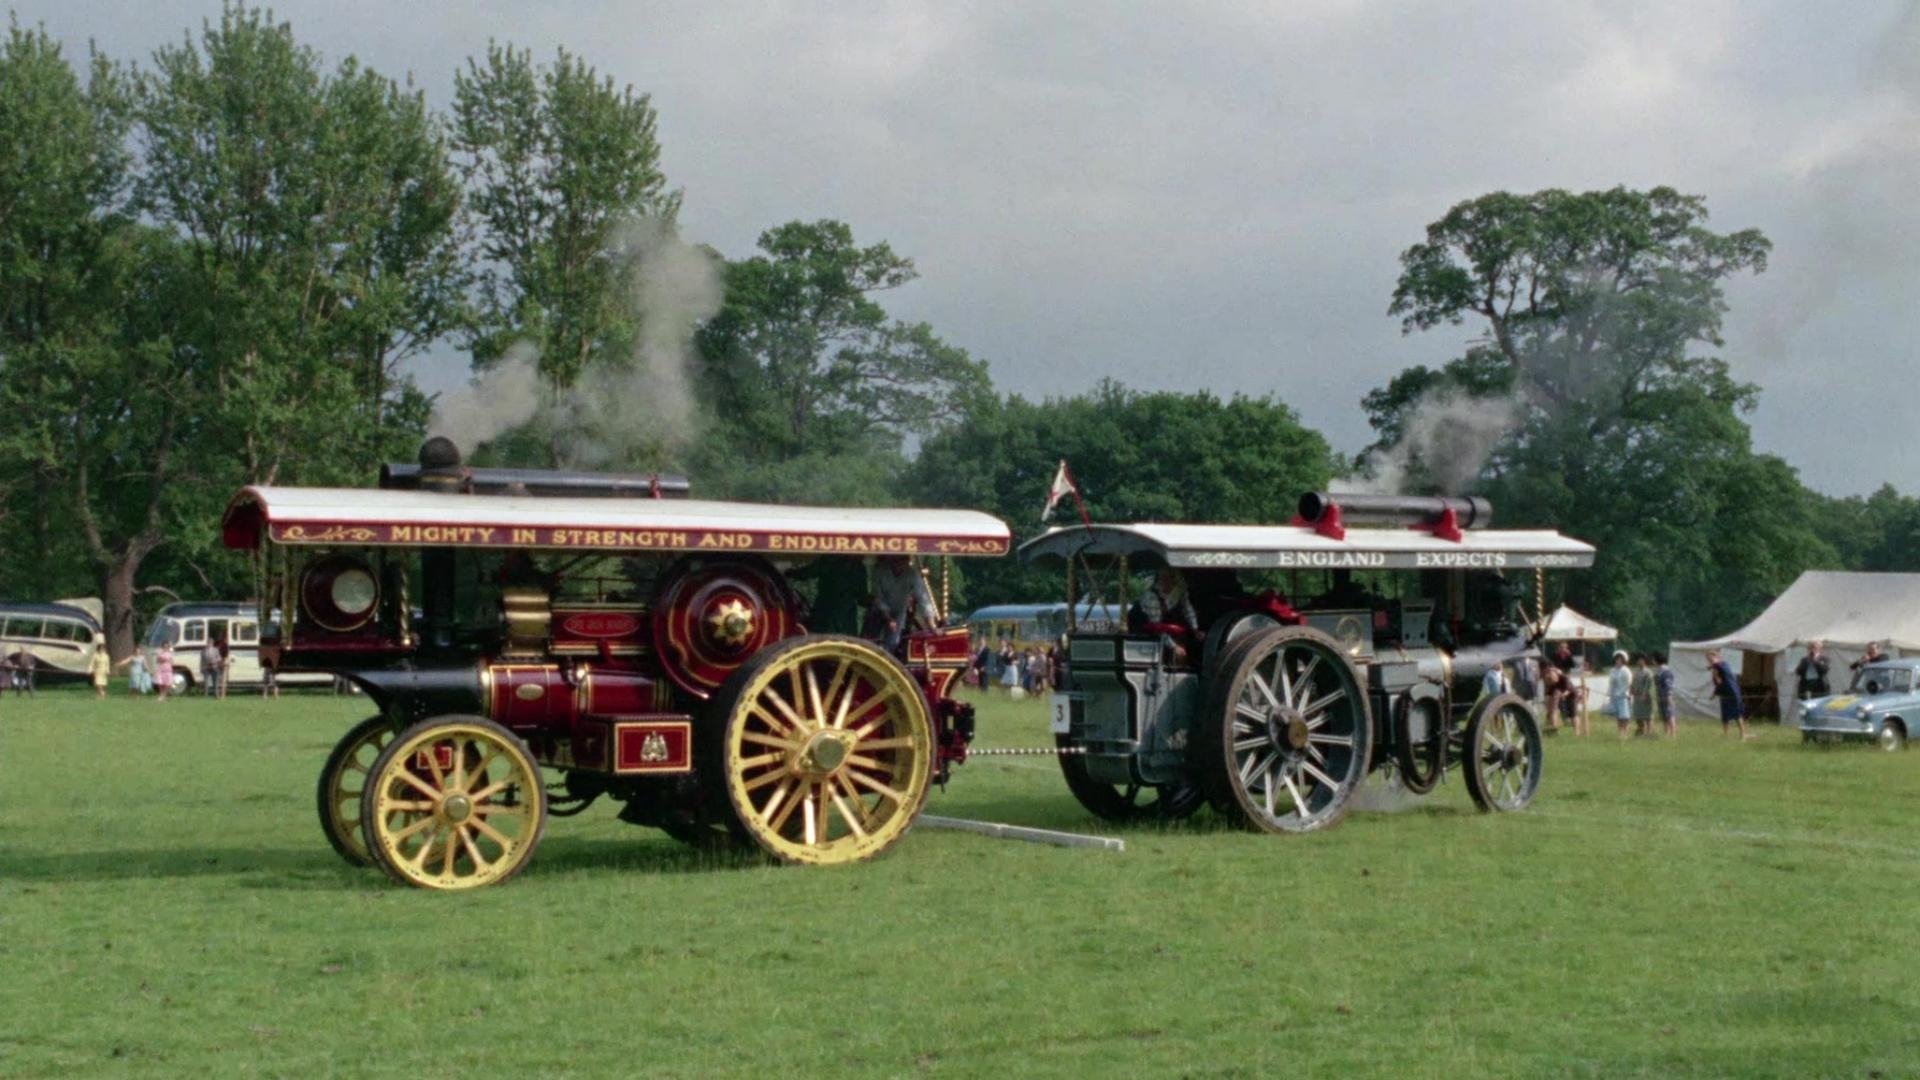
{"points": [[318, 207], [1136, 456], [557, 162], [285, 241], [1581, 293], [813, 387], [1594, 305], [63, 172]]}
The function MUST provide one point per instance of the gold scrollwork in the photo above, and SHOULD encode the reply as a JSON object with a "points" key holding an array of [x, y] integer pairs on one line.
{"points": [[298, 534]]}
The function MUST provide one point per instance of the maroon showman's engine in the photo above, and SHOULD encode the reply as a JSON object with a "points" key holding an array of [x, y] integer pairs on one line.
{"points": [[536, 639]]}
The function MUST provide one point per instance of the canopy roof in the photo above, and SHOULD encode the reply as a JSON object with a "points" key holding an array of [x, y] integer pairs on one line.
{"points": [[1255, 547], [1566, 624], [1836, 607], [363, 516]]}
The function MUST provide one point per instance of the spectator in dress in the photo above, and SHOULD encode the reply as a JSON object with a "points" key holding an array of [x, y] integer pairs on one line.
{"points": [[163, 672], [1620, 692], [99, 666], [1009, 671], [1643, 695], [1727, 689], [139, 679]]}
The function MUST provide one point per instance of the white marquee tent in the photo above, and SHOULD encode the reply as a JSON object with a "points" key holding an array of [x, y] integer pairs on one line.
{"points": [[1566, 624], [1843, 610]]}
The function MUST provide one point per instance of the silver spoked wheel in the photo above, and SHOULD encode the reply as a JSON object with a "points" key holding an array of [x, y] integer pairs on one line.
{"points": [[1892, 736], [1291, 732], [1503, 754]]}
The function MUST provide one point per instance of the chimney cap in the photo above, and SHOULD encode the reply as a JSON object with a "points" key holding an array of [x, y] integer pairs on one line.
{"points": [[439, 452]]}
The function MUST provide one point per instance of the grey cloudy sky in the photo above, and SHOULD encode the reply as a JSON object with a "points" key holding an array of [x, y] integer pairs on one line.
{"points": [[1215, 195]]}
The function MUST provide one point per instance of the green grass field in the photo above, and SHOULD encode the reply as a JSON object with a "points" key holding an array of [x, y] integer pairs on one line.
{"points": [[168, 906]]}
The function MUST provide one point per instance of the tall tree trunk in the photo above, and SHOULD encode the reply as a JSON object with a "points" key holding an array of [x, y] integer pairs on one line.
{"points": [[116, 595]]}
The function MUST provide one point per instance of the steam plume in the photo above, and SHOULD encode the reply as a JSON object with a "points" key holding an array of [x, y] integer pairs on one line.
{"points": [[617, 411], [1444, 443]]}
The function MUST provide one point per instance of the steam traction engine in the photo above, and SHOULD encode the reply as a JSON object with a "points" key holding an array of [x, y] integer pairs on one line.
{"points": [[1355, 638], [647, 647]]}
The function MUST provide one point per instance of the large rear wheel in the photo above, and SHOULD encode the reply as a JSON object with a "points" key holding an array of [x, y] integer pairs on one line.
{"points": [[454, 802], [1287, 732], [826, 749], [342, 780]]}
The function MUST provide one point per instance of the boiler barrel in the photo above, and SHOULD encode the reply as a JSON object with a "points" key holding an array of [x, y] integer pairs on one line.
{"points": [[1471, 512]]}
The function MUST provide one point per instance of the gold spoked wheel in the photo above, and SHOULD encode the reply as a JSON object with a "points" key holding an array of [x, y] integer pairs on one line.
{"points": [[827, 749], [454, 802], [343, 778]]}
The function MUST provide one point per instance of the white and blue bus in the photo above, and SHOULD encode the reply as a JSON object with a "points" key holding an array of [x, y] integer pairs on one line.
{"points": [[1039, 625], [61, 637]]}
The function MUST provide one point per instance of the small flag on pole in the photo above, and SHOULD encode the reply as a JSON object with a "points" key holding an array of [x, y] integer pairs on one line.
{"points": [[1062, 485]]}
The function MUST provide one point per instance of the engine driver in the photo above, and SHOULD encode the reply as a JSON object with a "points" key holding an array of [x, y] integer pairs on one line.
{"points": [[901, 602]]}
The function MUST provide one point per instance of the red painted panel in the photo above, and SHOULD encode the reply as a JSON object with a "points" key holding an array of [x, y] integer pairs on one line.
{"points": [[530, 696], [613, 692], [653, 746]]}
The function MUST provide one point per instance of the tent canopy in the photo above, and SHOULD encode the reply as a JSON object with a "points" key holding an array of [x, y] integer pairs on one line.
{"points": [[1839, 608], [1566, 624]]}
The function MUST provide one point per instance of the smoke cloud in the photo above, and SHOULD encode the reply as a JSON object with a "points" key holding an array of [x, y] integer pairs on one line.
{"points": [[495, 401], [1445, 442], [616, 412]]}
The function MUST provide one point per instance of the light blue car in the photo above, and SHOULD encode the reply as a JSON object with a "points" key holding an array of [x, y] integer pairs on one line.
{"points": [[1883, 705]]}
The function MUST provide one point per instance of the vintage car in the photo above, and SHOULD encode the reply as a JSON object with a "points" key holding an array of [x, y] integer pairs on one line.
{"points": [[662, 651], [1303, 656], [1882, 705]]}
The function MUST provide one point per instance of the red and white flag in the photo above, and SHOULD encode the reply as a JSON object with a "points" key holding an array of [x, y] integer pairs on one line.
{"points": [[1062, 485]]}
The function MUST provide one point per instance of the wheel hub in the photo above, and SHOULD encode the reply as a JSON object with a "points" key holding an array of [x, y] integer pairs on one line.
{"points": [[1287, 730], [456, 808], [824, 752]]}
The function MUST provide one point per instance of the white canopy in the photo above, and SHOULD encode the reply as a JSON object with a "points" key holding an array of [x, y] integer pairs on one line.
{"points": [[1566, 624], [1839, 608], [350, 516], [1254, 547]]}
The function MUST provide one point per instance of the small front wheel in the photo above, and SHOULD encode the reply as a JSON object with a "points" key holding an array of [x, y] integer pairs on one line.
{"points": [[342, 781], [454, 802], [1502, 754]]}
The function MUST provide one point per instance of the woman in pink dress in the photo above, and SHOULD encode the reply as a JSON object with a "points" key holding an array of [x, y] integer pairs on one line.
{"points": [[163, 671]]}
